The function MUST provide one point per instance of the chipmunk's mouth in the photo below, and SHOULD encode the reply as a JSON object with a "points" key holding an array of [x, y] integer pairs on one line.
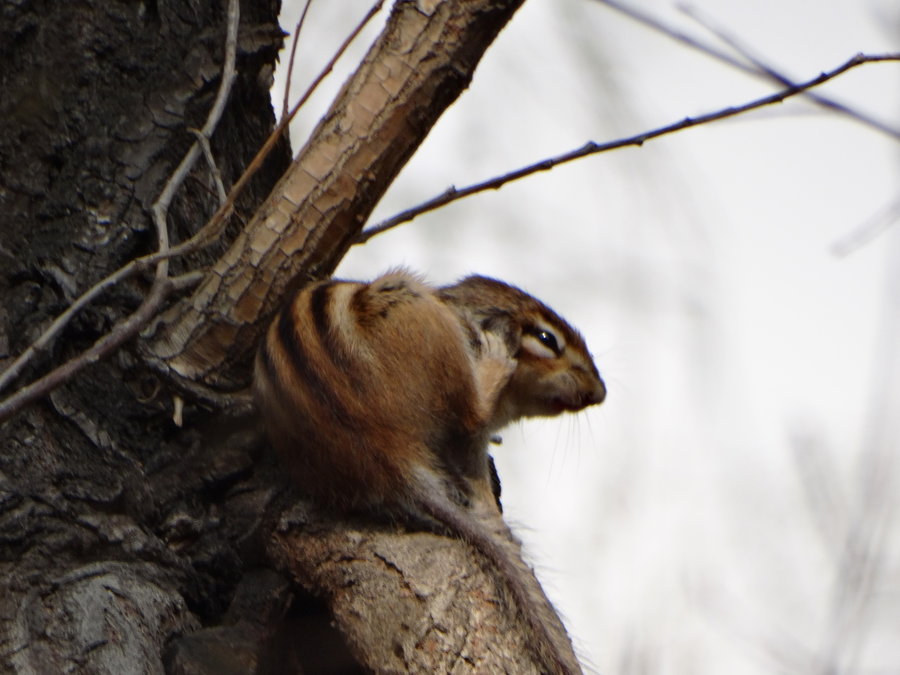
{"points": [[559, 405], [577, 402]]}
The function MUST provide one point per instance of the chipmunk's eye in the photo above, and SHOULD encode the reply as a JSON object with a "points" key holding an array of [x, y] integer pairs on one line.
{"points": [[548, 339], [542, 342]]}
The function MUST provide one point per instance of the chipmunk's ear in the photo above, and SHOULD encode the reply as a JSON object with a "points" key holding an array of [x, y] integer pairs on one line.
{"points": [[504, 325]]}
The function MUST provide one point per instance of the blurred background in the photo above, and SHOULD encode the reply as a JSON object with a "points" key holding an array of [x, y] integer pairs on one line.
{"points": [[731, 508]]}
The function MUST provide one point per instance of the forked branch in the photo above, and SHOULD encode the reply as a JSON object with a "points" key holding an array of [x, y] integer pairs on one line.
{"points": [[751, 64], [163, 286]]}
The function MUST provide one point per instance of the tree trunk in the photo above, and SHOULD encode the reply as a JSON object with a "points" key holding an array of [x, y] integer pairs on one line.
{"points": [[109, 537], [128, 544]]}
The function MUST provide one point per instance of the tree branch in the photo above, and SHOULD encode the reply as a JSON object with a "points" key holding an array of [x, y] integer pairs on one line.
{"points": [[871, 227], [129, 327], [312, 216], [453, 194], [290, 70], [757, 68]]}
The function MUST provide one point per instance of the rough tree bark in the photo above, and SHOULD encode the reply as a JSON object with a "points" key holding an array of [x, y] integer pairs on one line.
{"points": [[110, 543], [128, 544]]}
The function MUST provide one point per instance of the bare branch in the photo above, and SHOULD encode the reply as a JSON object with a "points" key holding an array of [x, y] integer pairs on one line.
{"points": [[123, 331], [859, 568], [206, 235], [591, 148], [290, 71], [63, 319], [873, 226], [186, 280], [756, 67], [211, 163], [161, 287], [213, 227], [779, 77], [863, 565], [161, 206], [888, 214], [420, 62]]}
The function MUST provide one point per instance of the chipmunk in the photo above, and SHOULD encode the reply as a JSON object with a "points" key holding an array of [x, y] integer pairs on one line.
{"points": [[382, 397]]}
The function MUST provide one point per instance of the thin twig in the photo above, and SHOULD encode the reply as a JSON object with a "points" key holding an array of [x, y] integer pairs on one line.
{"points": [[290, 71], [887, 215], [203, 237], [210, 231], [863, 567], [591, 148], [186, 280], [123, 331], [161, 207], [203, 141], [874, 225], [756, 66], [782, 79], [162, 286], [63, 319]]}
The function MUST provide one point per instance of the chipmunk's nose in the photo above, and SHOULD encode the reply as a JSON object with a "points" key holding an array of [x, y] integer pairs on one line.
{"points": [[596, 395]]}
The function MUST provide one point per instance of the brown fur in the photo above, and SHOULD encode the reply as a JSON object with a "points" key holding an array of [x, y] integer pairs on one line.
{"points": [[383, 397]]}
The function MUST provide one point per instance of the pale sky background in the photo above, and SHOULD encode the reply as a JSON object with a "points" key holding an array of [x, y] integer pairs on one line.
{"points": [[696, 522]]}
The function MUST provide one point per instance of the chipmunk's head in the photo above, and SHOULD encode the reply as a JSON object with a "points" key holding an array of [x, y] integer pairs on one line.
{"points": [[555, 371]]}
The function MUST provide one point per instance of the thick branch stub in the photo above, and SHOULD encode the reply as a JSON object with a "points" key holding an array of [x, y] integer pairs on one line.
{"points": [[446, 612], [413, 72]]}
